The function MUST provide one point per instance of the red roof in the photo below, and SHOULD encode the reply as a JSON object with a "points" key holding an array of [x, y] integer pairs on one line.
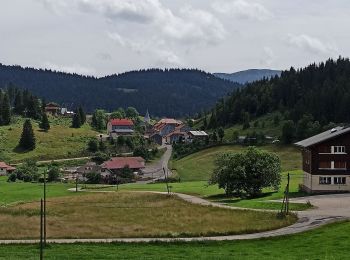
{"points": [[122, 122], [121, 162], [7, 167]]}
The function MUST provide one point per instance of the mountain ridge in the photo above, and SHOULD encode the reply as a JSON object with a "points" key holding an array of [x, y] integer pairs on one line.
{"points": [[248, 76]]}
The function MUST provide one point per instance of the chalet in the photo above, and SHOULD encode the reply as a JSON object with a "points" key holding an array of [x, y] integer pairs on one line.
{"points": [[165, 126], [118, 127], [52, 109], [175, 136], [116, 164], [196, 135], [326, 161], [6, 169]]}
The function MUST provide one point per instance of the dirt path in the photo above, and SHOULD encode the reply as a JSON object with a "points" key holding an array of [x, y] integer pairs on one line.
{"points": [[329, 208]]}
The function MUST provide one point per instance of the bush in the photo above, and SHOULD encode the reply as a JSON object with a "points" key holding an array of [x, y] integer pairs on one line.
{"points": [[53, 174], [12, 177], [27, 172], [93, 178], [100, 157], [93, 145]]}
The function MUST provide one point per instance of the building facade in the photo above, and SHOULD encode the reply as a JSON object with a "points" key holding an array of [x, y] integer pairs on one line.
{"points": [[118, 127], [326, 161]]}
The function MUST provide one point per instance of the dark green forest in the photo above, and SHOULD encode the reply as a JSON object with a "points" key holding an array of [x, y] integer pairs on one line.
{"points": [[170, 92], [315, 96]]}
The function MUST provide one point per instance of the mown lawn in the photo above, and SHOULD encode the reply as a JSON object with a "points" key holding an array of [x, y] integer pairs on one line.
{"points": [[131, 214], [61, 141], [328, 242], [199, 166]]}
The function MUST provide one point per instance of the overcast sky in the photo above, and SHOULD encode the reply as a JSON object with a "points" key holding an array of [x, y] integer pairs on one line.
{"points": [[100, 37]]}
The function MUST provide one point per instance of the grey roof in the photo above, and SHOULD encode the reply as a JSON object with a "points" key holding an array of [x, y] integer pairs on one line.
{"points": [[198, 133], [329, 134], [122, 131]]}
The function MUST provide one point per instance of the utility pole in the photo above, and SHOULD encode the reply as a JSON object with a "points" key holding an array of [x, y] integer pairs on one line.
{"points": [[45, 207], [166, 180], [76, 182], [41, 230]]}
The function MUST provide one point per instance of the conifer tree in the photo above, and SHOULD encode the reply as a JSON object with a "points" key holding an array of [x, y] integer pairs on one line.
{"points": [[76, 122], [5, 110], [44, 124], [27, 141], [18, 103], [82, 115]]}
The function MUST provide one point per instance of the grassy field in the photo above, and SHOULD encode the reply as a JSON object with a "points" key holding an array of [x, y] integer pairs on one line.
{"points": [[125, 214], [199, 166], [18, 192], [60, 141], [328, 242]]}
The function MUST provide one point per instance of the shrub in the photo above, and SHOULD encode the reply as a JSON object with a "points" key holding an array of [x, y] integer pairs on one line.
{"points": [[93, 145], [12, 177], [93, 178], [53, 174]]}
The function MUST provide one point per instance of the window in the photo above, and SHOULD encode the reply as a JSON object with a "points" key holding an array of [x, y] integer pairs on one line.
{"points": [[325, 165], [338, 149], [339, 180], [325, 180], [339, 165]]}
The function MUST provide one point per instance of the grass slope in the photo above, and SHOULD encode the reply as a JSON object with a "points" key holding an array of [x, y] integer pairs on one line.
{"points": [[126, 214], [199, 166], [328, 242], [61, 141]]}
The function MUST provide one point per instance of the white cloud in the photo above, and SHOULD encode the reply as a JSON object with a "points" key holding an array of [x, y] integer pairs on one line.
{"points": [[268, 56], [311, 44], [243, 9], [74, 68]]}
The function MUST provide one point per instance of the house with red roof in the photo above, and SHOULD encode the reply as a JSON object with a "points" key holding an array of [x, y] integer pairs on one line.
{"points": [[165, 126], [116, 164], [6, 169], [118, 127]]}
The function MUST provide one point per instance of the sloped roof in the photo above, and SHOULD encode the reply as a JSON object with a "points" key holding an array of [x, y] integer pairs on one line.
{"points": [[326, 135], [198, 133], [7, 167], [120, 162], [121, 122], [169, 121]]}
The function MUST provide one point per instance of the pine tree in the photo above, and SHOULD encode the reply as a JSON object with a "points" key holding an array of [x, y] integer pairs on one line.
{"points": [[82, 115], [18, 103], [27, 141], [5, 111], [76, 122], [44, 124]]}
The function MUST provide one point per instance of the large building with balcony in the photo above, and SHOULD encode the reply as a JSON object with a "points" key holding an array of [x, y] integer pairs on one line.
{"points": [[326, 161]]}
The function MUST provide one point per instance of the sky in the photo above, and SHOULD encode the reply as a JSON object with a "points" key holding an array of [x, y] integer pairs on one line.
{"points": [[102, 37]]}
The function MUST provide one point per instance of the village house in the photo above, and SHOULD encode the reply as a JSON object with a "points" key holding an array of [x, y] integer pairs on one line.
{"points": [[91, 167], [196, 135], [118, 127], [6, 169], [165, 126], [52, 109], [175, 136], [326, 161], [116, 164]]}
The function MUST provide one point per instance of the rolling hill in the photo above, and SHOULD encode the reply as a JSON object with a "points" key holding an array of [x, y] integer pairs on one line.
{"points": [[247, 76], [170, 92]]}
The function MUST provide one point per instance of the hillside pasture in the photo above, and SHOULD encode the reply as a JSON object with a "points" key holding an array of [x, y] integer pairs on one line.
{"points": [[61, 141], [199, 166]]}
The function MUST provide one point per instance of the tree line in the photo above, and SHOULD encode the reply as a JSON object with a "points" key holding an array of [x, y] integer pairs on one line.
{"points": [[310, 99], [169, 92]]}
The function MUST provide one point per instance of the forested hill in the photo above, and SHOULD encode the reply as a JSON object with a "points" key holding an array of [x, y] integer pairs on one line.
{"points": [[247, 76], [174, 92], [319, 93]]}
